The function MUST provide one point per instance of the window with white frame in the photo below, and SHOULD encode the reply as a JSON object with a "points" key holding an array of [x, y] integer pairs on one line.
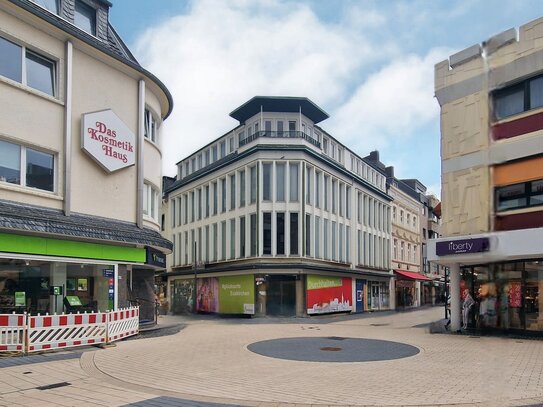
{"points": [[34, 70], [26, 166], [151, 127], [150, 201]]}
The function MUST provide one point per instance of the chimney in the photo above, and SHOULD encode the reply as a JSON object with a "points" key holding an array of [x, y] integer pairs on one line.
{"points": [[374, 156], [390, 171]]}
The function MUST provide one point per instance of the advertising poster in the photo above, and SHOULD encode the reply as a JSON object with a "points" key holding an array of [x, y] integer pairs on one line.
{"points": [[328, 294], [207, 295], [515, 295], [237, 295]]}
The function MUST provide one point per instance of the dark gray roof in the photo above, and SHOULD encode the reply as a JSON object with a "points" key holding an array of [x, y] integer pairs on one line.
{"points": [[279, 104], [31, 219]]}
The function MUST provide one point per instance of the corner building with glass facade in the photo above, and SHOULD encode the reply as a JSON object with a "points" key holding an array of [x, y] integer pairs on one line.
{"points": [[491, 98], [276, 217], [80, 162]]}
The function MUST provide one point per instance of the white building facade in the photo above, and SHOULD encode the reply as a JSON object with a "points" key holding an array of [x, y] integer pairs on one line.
{"points": [[277, 217]]}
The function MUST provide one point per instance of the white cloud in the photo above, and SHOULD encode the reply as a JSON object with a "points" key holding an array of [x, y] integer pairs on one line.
{"points": [[390, 105], [220, 54]]}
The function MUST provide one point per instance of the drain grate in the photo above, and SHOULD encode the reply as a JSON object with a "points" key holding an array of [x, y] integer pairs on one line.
{"points": [[379, 324], [336, 338], [330, 349], [54, 386]]}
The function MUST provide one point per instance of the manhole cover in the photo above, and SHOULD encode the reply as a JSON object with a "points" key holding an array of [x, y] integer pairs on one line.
{"points": [[325, 349]]}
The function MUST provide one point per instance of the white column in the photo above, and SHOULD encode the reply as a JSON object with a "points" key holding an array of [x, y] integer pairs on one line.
{"points": [[455, 296]]}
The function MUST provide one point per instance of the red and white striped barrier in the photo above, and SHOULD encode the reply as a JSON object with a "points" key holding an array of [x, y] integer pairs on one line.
{"points": [[64, 331], [24, 333], [122, 323], [12, 332]]}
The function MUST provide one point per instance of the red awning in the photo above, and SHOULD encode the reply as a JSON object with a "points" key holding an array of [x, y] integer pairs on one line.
{"points": [[412, 275]]}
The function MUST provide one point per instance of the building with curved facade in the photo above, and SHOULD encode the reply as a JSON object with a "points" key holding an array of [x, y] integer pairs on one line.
{"points": [[276, 217], [80, 161]]}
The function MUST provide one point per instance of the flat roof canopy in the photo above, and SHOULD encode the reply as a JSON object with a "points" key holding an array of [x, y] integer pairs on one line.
{"points": [[279, 104]]}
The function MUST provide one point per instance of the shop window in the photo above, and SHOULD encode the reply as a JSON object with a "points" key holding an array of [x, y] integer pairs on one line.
{"points": [[150, 201], [517, 196], [151, 129], [85, 17], [518, 98], [40, 72], [26, 166]]}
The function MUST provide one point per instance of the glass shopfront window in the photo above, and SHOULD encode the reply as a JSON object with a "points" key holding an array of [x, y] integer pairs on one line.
{"points": [[29, 286], [506, 296]]}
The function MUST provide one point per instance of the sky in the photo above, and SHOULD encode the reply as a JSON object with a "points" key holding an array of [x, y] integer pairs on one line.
{"points": [[368, 64]]}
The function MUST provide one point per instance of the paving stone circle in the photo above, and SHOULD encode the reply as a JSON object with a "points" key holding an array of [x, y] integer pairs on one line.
{"points": [[333, 349]]}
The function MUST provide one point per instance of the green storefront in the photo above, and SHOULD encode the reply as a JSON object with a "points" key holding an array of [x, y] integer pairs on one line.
{"points": [[43, 274]]}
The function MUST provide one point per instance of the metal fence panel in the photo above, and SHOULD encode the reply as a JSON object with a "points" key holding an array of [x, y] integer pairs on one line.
{"points": [[12, 332], [122, 323]]}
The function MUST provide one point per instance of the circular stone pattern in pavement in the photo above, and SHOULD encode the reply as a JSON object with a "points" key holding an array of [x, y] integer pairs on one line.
{"points": [[333, 349]]}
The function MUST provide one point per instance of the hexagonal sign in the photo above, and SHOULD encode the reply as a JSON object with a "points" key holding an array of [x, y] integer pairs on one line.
{"points": [[108, 140]]}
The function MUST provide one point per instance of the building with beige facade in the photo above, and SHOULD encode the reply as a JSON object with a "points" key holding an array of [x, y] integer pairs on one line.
{"points": [[491, 98], [408, 223], [80, 162]]}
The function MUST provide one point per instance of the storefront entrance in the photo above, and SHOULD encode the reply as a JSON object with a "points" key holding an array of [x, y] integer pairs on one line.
{"points": [[281, 295], [405, 293], [505, 296], [378, 295]]}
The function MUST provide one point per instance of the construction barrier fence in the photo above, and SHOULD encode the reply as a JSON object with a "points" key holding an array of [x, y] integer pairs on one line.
{"points": [[34, 333]]}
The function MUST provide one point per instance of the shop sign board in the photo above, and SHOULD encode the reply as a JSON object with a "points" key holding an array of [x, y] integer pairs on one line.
{"points": [[328, 294], [237, 294], [108, 140], [155, 258], [462, 246]]}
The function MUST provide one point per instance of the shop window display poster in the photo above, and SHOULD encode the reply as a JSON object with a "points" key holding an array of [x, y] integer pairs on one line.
{"points": [[329, 294]]}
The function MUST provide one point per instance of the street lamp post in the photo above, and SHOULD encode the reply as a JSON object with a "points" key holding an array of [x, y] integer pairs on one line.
{"points": [[195, 265]]}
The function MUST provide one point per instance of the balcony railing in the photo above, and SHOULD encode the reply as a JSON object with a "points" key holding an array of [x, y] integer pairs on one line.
{"points": [[280, 134]]}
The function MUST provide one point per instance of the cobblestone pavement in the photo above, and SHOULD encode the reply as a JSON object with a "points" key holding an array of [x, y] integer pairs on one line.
{"points": [[208, 363]]}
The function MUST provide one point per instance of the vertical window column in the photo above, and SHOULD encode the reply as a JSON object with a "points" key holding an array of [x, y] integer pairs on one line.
{"points": [[294, 234], [266, 233]]}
